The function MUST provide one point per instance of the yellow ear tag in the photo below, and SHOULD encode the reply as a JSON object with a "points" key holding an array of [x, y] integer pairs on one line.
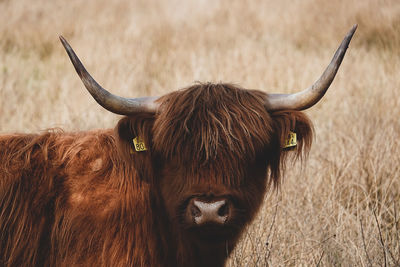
{"points": [[291, 140], [139, 144]]}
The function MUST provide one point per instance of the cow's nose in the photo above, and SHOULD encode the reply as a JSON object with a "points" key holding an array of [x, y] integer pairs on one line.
{"points": [[209, 212]]}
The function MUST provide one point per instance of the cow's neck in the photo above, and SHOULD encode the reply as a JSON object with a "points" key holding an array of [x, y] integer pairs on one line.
{"points": [[211, 256], [183, 251]]}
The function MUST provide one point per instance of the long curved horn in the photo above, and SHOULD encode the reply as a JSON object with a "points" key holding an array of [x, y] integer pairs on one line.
{"points": [[309, 97], [113, 103]]}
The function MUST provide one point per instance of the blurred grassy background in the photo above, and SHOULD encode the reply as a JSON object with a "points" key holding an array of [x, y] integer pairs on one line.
{"points": [[342, 207]]}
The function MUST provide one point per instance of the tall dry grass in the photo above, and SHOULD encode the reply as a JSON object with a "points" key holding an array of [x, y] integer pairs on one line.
{"points": [[342, 208]]}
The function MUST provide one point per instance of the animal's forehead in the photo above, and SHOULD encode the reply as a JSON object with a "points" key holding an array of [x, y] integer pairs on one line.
{"points": [[212, 122], [214, 172], [213, 95]]}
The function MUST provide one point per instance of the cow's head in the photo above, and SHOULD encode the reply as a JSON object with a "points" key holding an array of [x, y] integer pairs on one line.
{"points": [[214, 148]]}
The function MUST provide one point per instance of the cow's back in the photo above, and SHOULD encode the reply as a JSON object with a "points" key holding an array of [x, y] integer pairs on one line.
{"points": [[28, 188], [68, 199]]}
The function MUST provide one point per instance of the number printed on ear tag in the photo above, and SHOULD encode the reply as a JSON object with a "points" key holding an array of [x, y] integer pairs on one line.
{"points": [[139, 144], [291, 140]]}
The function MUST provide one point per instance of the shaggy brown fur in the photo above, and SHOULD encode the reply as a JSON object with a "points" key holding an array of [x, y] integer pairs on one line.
{"points": [[69, 199]]}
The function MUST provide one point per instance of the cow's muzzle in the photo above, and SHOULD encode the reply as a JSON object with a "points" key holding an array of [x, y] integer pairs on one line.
{"points": [[202, 212]]}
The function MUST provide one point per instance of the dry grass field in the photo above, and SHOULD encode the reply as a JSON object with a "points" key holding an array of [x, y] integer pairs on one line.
{"points": [[342, 206]]}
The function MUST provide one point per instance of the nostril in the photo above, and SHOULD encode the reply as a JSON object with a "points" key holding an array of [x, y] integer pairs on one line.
{"points": [[195, 211], [223, 210]]}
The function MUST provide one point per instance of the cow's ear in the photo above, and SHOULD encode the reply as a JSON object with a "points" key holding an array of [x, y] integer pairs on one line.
{"points": [[129, 128], [293, 135]]}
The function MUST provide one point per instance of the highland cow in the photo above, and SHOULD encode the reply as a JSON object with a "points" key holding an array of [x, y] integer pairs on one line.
{"points": [[174, 184]]}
